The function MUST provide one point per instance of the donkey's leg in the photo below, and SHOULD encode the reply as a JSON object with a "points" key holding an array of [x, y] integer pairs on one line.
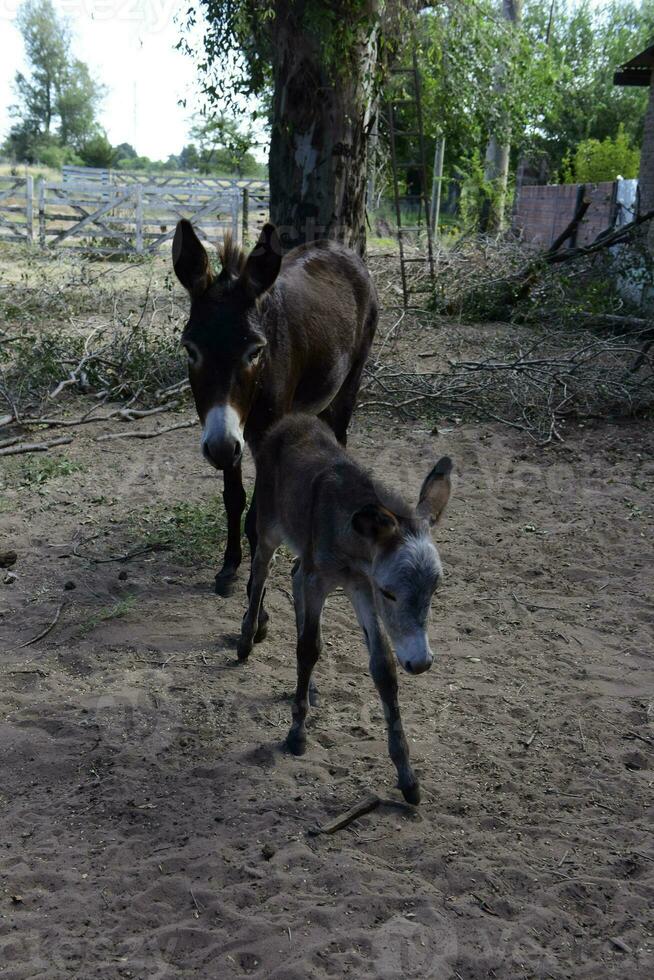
{"points": [[251, 533], [382, 670], [309, 643], [249, 628], [234, 498], [338, 414]]}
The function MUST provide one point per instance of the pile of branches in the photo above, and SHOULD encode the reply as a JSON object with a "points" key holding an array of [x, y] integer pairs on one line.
{"points": [[116, 358], [138, 368], [536, 390], [498, 279]]}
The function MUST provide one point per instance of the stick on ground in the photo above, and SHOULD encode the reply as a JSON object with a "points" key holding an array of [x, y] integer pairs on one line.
{"points": [[51, 626], [359, 810], [146, 435], [34, 447]]}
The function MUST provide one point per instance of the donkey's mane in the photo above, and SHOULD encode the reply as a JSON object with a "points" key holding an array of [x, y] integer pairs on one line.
{"points": [[232, 256]]}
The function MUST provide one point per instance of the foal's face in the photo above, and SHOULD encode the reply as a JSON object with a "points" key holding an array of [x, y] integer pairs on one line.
{"points": [[405, 578], [223, 340], [406, 569]]}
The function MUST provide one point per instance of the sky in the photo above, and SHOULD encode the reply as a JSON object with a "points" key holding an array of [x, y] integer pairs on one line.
{"points": [[129, 45]]}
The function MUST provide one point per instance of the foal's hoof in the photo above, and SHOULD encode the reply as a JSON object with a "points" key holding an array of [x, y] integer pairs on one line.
{"points": [[243, 649], [262, 628], [411, 793], [296, 743], [225, 584]]}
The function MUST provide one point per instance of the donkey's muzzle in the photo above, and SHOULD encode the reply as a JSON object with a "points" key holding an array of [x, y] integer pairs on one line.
{"points": [[223, 455], [418, 666], [414, 655], [222, 437]]}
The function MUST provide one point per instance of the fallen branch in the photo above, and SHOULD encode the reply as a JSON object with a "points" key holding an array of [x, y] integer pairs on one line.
{"points": [[128, 414], [34, 447], [127, 557], [146, 435], [604, 240], [359, 810], [48, 629], [569, 231]]}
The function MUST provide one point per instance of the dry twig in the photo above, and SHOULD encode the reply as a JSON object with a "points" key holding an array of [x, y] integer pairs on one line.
{"points": [[49, 627]]}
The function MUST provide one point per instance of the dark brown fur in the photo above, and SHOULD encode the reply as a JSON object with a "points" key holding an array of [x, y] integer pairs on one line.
{"points": [[315, 315]]}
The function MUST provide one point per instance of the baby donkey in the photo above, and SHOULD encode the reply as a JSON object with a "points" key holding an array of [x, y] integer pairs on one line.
{"points": [[347, 531]]}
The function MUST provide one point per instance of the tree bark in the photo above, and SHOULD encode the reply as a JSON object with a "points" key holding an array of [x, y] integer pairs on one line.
{"points": [[646, 174], [322, 116], [496, 165]]}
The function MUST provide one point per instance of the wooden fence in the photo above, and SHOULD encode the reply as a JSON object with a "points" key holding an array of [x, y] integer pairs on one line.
{"points": [[129, 219], [16, 209], [97, 175]]}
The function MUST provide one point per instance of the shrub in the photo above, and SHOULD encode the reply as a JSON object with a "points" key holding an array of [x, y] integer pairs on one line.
{"points": [[596, 160]]}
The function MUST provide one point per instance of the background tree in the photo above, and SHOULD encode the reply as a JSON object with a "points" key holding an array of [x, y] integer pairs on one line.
{"points": [[58, 100], [318, 64], [498, 148], [606, 159], [223, 146], [586, 44], [459, 46]]}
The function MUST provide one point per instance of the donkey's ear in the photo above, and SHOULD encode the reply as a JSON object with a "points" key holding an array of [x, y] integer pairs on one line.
{"points": [[375, 523], [263, 262], [435, 491], [190, 260]]}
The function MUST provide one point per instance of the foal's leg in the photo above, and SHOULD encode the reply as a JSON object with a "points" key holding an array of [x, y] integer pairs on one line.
{"points": [[234, 498], [312, 594], [382, 670], [297, 578], [260, 565], [251, 533]]}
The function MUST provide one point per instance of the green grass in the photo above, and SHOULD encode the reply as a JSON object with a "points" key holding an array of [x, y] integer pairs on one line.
{"points": [[35, 471], [194, 532], [117, 611]]}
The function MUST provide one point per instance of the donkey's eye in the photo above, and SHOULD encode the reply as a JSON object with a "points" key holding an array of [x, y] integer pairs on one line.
{"points": [[388, 595], [253, 356], [192, 354]]}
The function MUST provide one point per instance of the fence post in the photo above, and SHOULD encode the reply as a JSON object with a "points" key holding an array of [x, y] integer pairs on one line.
{"points": [[436, 185], [236, 200], [42, 212], [246, 214], [29, 207], [139, 219]]}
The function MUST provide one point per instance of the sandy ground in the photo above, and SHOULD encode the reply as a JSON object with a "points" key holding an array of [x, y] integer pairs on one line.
{"points": [[151, 824]]}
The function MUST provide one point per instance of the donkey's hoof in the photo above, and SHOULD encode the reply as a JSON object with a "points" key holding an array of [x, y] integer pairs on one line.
{"points": [[296, 743], [225, 584], [262, 628], [411, 793], [243, 649]]}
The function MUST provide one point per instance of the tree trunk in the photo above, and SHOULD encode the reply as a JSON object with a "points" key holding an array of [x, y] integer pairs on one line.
{"points": [[322, 115], [496, 165], [646, 175]]}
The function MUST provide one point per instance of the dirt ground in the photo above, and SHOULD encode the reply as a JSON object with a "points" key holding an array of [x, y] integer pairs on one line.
{"points": [[151, 823]]}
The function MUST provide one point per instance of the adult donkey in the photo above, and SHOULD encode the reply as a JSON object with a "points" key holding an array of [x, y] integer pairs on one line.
{"points": [[266, 336]]}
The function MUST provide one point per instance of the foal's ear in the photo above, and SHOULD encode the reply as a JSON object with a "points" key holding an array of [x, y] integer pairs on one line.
{"points": [[263, 262], [190, 260], [435, 491], [375, 523]]}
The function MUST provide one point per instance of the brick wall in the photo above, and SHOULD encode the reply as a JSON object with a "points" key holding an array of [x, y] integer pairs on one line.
{"points": [[542, 212]]}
